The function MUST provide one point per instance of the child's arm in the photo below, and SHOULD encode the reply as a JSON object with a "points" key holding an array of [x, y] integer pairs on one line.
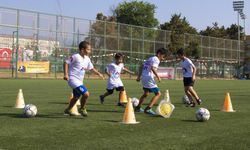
{"points": [[65, 71], [156, 74], [194, 72], [97, 72], [140, 72], [127, 70]]}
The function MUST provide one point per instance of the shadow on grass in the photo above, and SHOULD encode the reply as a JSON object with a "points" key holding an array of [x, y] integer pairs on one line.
{"points": [[214, 110], [94, 110], [52, 116], [8, 106], [58, 103], [190, 120], [113, 121], [12, 115], [57, 115]]}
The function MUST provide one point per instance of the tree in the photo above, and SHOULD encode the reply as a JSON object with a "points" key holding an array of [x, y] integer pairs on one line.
{"points": [[137, 13], [215, 31], [232, 32], [178, 27], [222, 32]]}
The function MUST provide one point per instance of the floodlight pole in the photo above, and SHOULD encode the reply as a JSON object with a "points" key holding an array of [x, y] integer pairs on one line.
{"points": [[238, 16], [238, 6]]}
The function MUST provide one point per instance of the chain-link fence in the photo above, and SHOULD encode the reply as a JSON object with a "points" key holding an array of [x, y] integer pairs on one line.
{"points": [[34, 36]]}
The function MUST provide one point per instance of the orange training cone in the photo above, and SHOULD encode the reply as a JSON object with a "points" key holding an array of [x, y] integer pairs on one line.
{"points": [[20, 100], [124, 98], [129, 115], [77, 102], [227, 107]]}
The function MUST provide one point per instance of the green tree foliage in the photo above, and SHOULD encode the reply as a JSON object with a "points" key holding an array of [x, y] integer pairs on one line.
{"points": [[232, 32], [137, 13], [222, 32], [178, 26], [193, 50]]}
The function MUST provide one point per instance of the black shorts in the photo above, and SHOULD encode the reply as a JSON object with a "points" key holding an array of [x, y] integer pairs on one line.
{"points": [[120, 88], [188, 81]]}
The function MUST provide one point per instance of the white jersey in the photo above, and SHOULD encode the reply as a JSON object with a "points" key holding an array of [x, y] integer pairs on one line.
{"points": [[187, 67], [77, 67], [114, 80], [147, 77]]}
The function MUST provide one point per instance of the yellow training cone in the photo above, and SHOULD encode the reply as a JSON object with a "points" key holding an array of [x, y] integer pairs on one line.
{"points": [[227, 107], [129, 115], [20, 100], [123, 98]]}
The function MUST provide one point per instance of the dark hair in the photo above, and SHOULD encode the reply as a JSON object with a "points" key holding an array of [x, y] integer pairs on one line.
{"points": [[83, 45], [118, 55], [161, 51], [180, 51]]}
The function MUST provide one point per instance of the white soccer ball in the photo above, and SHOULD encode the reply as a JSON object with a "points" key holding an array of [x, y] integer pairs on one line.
{"points": [[29, 110], [135, 101], [185, 99], [202, 114]]}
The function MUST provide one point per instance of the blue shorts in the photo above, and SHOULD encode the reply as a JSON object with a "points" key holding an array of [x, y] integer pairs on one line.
{"points": [[80, 90], [152, 90]]}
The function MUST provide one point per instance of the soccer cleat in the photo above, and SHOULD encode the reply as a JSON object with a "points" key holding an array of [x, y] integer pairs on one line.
{"points": [[192, 104], [83, 112], [101, 99], [139, 109], [199, 101], [68, 112], [150, 112]]}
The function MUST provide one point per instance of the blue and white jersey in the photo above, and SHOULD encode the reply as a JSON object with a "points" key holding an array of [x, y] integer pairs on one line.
{"points": [[77, 67], [114, 80], [187, 67], [147, 77]]}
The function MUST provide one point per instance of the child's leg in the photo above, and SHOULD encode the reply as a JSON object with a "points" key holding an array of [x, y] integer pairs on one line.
{"points": [[189, 95], [72, 102], [193, 92], [84, 99], [195, 95], [154, 99], [143, 97], [109, 92]]}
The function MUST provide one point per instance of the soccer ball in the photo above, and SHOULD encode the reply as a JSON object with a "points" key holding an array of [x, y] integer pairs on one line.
{"points": [[202, 114], [29, 110], [185, 99], [135, 101]]}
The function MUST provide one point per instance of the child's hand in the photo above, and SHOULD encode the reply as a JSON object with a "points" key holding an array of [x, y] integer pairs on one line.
{"points": [[159, 79], [138, 79], [65, 78], [101, 76]]}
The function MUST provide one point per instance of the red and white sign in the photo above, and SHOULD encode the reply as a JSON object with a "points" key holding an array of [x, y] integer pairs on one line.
{"points": [[166, 72], [5, 58]]}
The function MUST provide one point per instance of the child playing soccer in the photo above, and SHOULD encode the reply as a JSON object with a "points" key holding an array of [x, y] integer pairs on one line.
{"points": [[146, 74], [74, 70], [113, 71], [189, 71]]}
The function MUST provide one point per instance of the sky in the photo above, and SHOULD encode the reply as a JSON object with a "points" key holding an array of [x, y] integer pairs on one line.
{"points": [[199, 13]]}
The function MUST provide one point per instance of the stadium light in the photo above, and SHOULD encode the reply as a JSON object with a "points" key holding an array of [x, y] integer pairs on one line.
{"points": [[238, 6]]}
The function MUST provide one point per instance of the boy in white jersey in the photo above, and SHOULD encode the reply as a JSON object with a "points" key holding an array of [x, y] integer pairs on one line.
{"points": [[113, 71], [146, 74], [74, 70], [189, 71]]}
